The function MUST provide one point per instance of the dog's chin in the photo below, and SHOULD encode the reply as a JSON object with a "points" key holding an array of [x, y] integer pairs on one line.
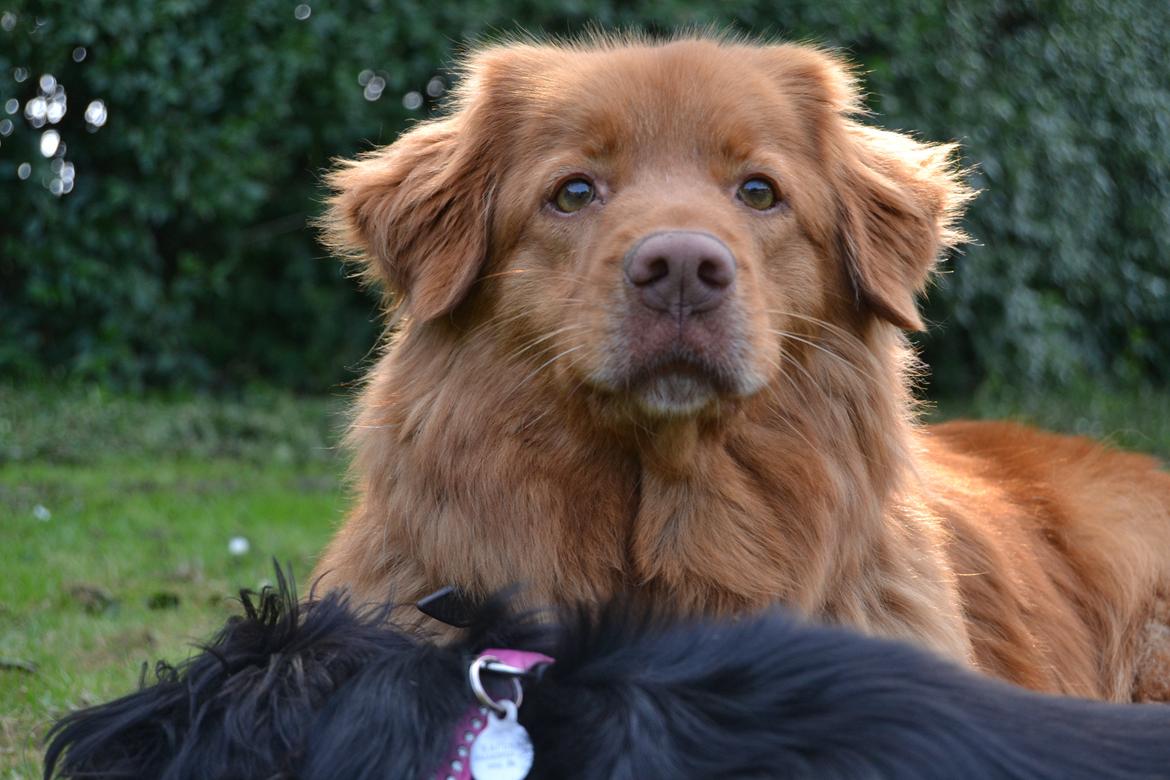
{"points": [[673, 387], [675, 394]]}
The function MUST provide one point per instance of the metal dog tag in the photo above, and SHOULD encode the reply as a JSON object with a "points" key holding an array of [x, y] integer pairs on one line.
{"points": [[503, 750]]}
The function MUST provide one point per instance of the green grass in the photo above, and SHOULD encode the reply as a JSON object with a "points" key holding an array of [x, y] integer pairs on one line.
{"points": [[87, 425], [131, 563], [143, 495], [1134, 419]]}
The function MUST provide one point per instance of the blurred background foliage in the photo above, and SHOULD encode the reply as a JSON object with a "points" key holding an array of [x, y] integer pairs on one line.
{"points": [[182, 258]]}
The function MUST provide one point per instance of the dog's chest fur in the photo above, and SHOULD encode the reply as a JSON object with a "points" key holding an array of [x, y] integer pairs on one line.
{"points": [[843, 510], [721, 516]]}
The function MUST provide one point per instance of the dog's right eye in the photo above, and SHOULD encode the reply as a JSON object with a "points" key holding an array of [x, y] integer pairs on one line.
{"points": [[758, 194], [574, 195]]}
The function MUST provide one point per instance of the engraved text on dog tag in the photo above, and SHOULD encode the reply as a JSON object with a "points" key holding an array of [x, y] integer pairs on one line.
{"points": [[503, 750]]}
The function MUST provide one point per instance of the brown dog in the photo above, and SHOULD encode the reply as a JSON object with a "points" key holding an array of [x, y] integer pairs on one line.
{"points": [[649, 337]]}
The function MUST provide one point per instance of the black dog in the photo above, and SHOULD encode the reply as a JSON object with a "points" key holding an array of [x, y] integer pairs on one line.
{"points": [[323, 691]]}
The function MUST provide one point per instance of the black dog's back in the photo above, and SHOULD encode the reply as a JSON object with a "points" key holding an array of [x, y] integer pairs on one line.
{"points": [[323, 691]]}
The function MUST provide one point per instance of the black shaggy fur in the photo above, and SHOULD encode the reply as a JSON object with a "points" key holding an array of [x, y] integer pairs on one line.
{"points": [[319, 690]]}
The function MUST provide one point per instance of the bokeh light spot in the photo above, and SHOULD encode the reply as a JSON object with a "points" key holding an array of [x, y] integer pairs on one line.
{"points": [[36, 110], [412, 101], [23, 171], [95, 114], [50, 140], [302, 12], [374, 88], [79, 54], [56, 106]]}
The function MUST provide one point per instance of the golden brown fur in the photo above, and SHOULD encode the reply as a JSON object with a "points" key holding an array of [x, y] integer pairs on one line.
{"points": [[514, 428]]}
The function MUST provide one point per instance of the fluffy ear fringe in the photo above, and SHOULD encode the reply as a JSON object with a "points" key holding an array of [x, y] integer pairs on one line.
{"points": [[899, 200], [413, 216]]}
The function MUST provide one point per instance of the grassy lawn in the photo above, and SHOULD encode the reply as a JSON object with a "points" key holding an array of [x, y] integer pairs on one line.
{"points": [[116, 522], [1136, 420], [116, 516]]}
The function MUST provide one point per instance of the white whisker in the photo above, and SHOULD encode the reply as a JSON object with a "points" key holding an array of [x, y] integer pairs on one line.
{"points": [[843, 360], [541, 367], [838, 330], [541, 339]]}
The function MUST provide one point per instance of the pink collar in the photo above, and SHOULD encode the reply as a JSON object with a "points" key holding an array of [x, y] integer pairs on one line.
{"points": [[521, 659], [457, 764]]}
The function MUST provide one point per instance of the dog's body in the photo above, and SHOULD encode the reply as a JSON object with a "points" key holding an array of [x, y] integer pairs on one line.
{"points": [[650, 342], [320, 691]]}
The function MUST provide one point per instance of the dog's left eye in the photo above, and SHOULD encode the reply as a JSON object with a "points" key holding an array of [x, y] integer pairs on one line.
{"points": [[574, 195], [758, 194]]}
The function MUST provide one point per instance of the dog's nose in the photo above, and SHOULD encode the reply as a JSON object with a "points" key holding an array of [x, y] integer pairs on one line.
{"points": [[680, 271]]}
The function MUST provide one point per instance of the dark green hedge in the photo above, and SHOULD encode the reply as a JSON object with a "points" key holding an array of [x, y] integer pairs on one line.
{"points": [[182, 256]]}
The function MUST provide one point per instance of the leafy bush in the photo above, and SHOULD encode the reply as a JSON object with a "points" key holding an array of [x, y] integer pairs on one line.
{"points": [[182, 255]]}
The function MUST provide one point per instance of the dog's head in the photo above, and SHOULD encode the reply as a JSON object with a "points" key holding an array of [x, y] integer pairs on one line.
{"points": [[657, 222]]}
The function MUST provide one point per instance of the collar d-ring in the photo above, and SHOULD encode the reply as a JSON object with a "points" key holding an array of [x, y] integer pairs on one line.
{"points": [[473, 675]]}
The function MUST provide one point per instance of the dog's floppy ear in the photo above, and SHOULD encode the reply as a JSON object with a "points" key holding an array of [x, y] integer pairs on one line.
{"points": [[415, 215], [897, 199]]}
